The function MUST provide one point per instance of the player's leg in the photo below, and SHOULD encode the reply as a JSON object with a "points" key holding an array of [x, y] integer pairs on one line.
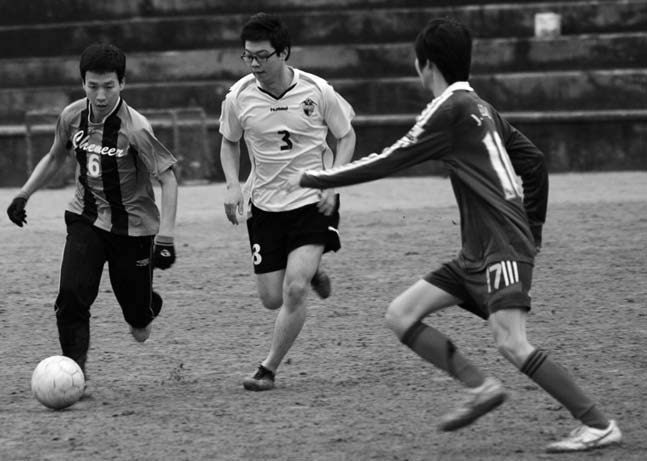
{"points": [[302, 265], [321, 283], [81, 269], [509, 327], [269, 258], [131, 277], [509, 308], [404, 316]]}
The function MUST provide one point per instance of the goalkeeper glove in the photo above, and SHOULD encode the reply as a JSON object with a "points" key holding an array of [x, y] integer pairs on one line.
{"points": [[16, 211], [163, 252]]}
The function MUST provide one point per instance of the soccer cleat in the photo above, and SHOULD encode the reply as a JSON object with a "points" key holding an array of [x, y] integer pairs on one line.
{"points": [[587, 438], [321, 284], [262, 380], [482, 400]]}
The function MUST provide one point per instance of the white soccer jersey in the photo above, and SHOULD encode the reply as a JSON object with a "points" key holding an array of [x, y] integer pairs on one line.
{"points": [[285, 134]]}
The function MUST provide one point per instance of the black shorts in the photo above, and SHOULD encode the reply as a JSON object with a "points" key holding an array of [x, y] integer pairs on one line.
{"points": [[502, 285], [274, 234], [87, 249]]}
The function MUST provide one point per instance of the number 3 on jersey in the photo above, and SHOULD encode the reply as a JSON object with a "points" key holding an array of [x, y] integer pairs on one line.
{"points": [[286, 139]]}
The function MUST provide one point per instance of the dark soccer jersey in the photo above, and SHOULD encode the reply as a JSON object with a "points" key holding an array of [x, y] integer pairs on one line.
{"points": [[484, 155], [115, 161]]}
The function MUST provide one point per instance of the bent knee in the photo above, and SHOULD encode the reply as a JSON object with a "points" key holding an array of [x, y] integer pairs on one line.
{"points": [[271, 302], [296, 292]]}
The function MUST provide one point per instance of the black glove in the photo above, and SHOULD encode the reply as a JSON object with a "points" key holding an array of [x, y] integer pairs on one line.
{"points": [[163, 252], [16, 211]]}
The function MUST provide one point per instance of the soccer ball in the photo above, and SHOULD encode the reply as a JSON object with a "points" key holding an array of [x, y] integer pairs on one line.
{"points": [[57, 382]]}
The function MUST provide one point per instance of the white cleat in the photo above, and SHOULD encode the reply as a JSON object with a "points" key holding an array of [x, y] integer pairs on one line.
{"points": [[480, 401], [587, 438]]}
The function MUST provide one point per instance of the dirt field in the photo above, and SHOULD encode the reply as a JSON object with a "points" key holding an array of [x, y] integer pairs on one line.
{"points": [[348, 390]]}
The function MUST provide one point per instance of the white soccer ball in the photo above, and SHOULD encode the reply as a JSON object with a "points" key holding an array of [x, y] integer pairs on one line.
{"points": [[57, 382]]}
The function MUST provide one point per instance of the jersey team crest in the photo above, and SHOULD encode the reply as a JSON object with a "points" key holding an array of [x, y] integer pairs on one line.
{"points": [[308, 106]]}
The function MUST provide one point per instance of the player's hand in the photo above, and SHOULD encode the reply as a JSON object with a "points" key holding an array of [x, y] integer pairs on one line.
{"points": [[536, 234], [234, 203], [328, 202], [292, 183], [163, 252], [17, 212]]}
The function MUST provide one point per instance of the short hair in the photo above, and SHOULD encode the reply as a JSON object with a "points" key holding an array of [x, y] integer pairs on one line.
{"points": [[263, 26], [447, 44], [103, 58]]}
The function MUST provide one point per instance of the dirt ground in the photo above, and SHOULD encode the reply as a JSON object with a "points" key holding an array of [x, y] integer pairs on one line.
{"points": [[348, 389]]}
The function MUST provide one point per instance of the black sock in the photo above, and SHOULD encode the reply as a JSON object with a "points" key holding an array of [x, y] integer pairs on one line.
{"points": [[436, 348], [555, 380]]}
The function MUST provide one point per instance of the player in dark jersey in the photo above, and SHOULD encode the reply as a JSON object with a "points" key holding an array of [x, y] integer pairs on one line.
{"points": [[501, 228], [112, 217]]}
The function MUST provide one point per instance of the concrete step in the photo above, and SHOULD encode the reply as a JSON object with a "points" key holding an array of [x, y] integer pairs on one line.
{"points": [[527, 91], [344, 61], [46, 11], [571, 141], [329, 26]]}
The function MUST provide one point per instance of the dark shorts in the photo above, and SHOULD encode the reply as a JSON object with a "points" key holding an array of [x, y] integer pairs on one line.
{"points": [[502, 285], [87, 249], [274, 234]]}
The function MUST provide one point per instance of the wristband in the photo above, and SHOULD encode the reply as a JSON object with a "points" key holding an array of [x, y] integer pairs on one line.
{"points": [[163, 240]]}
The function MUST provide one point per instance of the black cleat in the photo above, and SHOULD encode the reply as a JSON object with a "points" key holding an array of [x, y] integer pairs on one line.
{"points": [[262, 380], [321, 284]]}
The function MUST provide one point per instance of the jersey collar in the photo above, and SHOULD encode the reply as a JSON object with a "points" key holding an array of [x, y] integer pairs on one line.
{"points": [[457, 86], [114, 109], [293, 83]]}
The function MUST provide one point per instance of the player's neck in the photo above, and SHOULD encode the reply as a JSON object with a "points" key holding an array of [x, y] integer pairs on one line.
{"points": [[281, 83]]}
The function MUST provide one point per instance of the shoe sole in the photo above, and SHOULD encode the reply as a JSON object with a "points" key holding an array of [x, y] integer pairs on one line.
{"points": [[478, 411], [253, 386]]}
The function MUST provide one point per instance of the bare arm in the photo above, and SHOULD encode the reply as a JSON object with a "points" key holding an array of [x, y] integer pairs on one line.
{"points": [[43, 173], [168, 182], [345, 148], [230, 161], [344, 153]]}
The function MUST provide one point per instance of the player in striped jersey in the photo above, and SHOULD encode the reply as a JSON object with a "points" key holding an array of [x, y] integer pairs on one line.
{"points": [[501, 227], [112, 217], [284, 115]]}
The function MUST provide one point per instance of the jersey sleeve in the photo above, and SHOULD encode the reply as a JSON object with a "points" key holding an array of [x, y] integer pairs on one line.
{"points": [[528, 162], [230, 126], [338, 113], [427, 139], [152, 152]]}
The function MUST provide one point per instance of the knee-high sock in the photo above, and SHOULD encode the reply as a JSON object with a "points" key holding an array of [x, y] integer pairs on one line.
{"points": [[555, 380], [436, 348]]}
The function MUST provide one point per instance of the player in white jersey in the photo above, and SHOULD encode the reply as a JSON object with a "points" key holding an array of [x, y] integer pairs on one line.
{"points": [[284, 115]]}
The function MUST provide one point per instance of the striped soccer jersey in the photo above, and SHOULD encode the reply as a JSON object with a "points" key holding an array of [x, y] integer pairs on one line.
{"points": [[483, 154], [115, 161], [284, 134]]}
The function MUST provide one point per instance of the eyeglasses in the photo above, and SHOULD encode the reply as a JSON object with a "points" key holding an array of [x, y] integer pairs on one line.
{"points": [[260, 57]]}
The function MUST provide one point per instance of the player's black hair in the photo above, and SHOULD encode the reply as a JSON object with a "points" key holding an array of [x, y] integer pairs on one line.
{"points": [[263, 26], [103, 58], [448, 44]]}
